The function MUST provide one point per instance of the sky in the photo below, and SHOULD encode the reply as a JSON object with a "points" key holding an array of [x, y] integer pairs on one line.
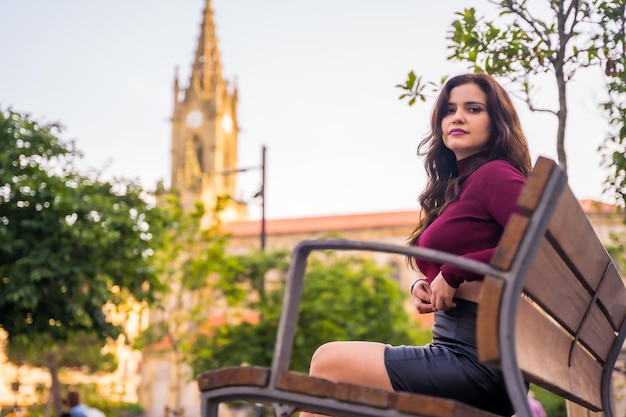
{"points": [[316, 81]]}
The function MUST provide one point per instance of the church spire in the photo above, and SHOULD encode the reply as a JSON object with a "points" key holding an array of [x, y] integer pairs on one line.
{"points": [[206, 75], [205, 128]]}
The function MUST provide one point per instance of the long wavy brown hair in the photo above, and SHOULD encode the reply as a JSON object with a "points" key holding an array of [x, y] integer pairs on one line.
{"points": [[507, 142]]}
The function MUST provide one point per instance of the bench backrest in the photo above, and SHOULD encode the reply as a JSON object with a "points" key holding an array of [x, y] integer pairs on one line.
{"points": [[569, 324]]}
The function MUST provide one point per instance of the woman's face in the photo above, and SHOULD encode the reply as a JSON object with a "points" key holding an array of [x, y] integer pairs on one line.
{"points": [[466, 125]]}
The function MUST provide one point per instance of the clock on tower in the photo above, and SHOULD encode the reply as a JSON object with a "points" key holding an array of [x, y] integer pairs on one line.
{"points": [[194, 119]]}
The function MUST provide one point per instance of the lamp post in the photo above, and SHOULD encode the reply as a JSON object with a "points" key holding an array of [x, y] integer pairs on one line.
{"points": [[260, 193]]}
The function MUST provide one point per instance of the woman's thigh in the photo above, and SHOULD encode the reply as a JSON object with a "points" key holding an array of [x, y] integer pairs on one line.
{"points": [[353, 362]]}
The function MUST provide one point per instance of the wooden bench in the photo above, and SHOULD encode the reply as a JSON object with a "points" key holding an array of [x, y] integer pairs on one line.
{"points": [[552, 313]]}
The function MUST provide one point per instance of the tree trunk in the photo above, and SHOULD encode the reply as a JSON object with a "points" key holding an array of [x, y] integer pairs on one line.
{"points": [[52, 363], [48, 410], [562, 117], [561, 84], [177, 381]]}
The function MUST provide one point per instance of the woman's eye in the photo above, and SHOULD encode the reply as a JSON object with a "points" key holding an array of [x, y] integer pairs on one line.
{"points": [[474, 109]]}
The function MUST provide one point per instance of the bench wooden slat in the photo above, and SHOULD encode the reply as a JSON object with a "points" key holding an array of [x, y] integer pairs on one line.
{"points": [[613, 298], [358, 394], [319, 387], [535, 185], [233, 376], [424, 405], [304, 384], [568, 301], [597, 334], [536, 334], [487, 321], [509, 242], [587, 255]]}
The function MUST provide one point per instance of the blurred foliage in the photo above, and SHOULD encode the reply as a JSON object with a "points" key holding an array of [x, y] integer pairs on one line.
{"points": [[187, 259], [553, 405], [344, 298], [109, 408], [612, 38], [82, 351], [617, 249]]}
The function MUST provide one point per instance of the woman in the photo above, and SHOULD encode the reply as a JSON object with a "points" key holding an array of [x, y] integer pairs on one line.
{"points": [[477, 161]]}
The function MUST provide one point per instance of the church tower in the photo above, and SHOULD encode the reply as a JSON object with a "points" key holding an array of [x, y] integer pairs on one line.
{"points": [[205, 130]]}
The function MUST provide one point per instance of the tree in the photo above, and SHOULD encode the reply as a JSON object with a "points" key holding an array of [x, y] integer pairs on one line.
{"points": [[612, 41], [74, 245], [344, 298], [526, 47]]}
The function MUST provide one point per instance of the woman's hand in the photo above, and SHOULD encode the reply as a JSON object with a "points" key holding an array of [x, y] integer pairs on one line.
{"points": [[441, 294], [421, 297]]}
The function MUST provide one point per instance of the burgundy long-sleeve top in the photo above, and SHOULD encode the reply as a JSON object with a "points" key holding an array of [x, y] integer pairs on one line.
{"points": [[472, 225]]}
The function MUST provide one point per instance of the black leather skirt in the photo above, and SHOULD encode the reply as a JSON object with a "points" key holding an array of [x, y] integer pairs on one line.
{"points": [[448, 367]]}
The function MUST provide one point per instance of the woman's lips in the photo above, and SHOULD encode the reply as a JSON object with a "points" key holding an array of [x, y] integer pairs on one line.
{"points": [[457, 132]]}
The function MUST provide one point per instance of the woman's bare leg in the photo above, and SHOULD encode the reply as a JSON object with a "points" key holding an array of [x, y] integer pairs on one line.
{"points": [[353, 362]]}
